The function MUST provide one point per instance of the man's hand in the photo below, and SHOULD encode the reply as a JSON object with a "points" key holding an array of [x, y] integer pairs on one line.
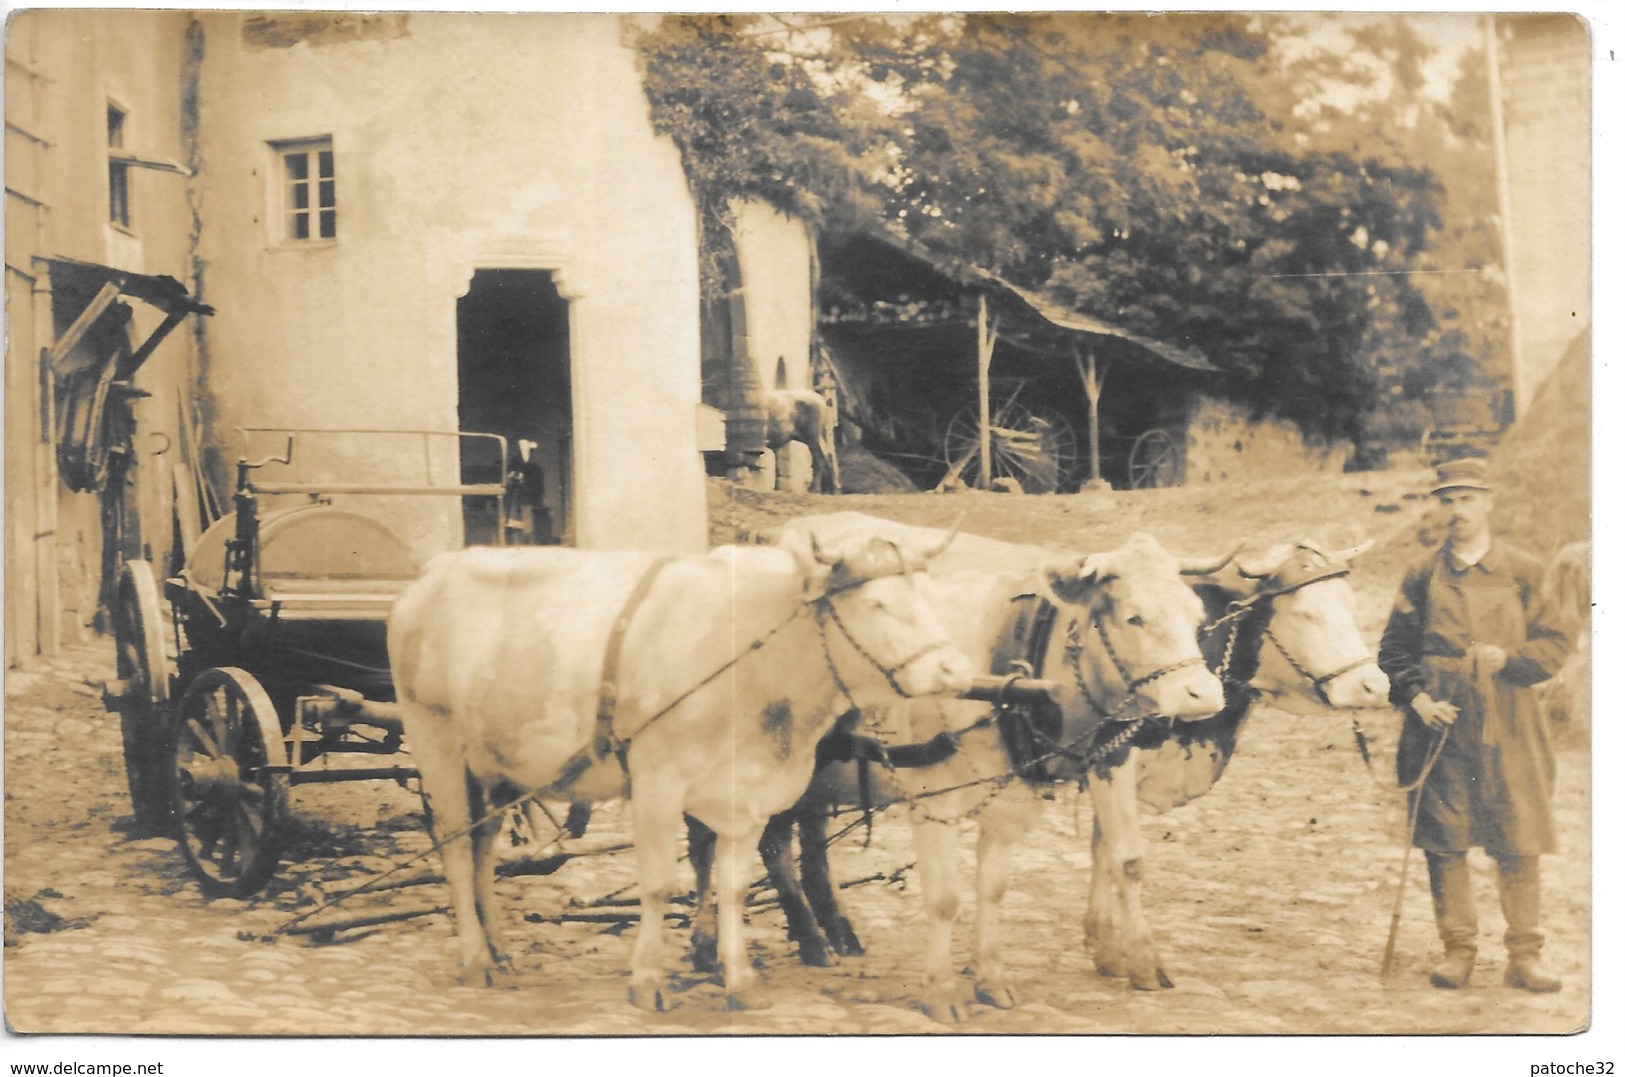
{"points": [[1490, 658], [1435, 713]]}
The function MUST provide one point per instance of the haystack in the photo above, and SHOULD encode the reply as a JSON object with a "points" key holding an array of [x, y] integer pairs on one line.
{"points": [[1542, 470], [1542, 466]]}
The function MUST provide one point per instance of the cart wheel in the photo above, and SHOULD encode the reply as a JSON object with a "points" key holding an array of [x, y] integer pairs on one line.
{"points": [[143, 696], [1154, 460], [230, 791], [1034, 446]]}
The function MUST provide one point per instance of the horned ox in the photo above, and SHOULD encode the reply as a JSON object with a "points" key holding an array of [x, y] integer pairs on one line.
{"points": [[703, 683], [1268, 638], [1288, 635], [1123, 646]]}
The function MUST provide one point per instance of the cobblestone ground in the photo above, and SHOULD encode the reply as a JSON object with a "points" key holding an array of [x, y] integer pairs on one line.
{"points": [[1272, 897]]}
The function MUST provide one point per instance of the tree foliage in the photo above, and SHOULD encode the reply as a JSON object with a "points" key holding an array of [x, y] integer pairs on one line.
{"points": [[1158, 172]]}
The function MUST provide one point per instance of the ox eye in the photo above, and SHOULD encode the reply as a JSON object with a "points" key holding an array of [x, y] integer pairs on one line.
{"points": [[1136, 620]]}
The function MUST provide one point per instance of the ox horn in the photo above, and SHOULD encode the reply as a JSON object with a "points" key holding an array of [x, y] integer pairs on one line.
{"points": [[942, 547], [1352, 552], [1197, 566], [1267, 563]]}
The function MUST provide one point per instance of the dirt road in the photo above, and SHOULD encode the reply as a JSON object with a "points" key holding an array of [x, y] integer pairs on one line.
{"points": [[1271, 896]]}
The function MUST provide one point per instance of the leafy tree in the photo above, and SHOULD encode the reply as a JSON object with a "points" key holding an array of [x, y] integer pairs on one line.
{"points": [[1147, 170]]}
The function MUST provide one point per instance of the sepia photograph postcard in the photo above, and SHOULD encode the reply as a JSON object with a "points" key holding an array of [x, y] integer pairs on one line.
{"points": [[862, 531]]}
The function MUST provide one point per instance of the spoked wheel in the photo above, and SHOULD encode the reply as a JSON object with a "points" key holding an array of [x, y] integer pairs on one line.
{"points": [[230, 791], [1034, 446], [142, 694], [1154, 460]]}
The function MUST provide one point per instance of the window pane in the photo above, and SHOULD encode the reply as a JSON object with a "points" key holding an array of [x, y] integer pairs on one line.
{"points": [[115, 127], [301, 225], [298, 165], [330, 223], [326, 194], [324, 162], [300, 195], [118, 194]]}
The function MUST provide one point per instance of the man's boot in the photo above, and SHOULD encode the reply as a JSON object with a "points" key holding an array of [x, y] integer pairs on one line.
{"points": [[1452, 886], [1519, 877]]}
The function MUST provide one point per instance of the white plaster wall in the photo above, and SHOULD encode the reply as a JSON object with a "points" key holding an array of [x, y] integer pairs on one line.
{"points": [[65, 67], [470, 141], [775, 268], [1222, 442]]}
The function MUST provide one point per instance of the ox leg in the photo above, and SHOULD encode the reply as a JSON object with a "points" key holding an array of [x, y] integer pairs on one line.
{"points": [[445, 784], [935, 848], [483, 845], [994, 849], [1100, 929], [779, 860], [1116, 809], [826, 904], [657, 812], [735, 864], [702, 848]]}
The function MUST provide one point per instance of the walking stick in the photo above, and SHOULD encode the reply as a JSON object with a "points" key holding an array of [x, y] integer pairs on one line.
{"points": [[1434, 750]]}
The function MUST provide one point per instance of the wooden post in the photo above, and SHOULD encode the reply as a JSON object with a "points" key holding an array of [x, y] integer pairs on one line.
{"points": [[1091, 391], [983, 361], [1503, 195]]}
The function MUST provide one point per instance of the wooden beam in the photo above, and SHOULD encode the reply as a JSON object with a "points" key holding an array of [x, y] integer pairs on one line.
{"points": [[987, 334]]}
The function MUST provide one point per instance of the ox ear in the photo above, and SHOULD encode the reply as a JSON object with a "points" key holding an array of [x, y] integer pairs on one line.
{"points": [[1073, 580], [815, 571]]}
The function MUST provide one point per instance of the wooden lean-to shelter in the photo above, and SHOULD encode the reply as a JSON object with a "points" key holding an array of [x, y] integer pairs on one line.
{"points": [[961, 377]]}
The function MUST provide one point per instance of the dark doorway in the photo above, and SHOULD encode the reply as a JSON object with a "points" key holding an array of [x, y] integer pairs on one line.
{"points": [[513, 379]]}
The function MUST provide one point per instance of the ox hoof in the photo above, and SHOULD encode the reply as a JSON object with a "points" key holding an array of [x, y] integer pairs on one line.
{"points": [[1156, 982], [647, 997], [1110, 966], [998, 996], [844, 940], [947, 1011], [813, 952], [746, 998], [478, 976]]}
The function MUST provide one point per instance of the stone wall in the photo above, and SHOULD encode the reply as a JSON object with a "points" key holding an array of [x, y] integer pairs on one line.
{"points": [[1223, 442]]}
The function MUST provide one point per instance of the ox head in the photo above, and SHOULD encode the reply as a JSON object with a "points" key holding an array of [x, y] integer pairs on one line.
{"points": [[1134, 622], [1312, 655], [882, 636]]}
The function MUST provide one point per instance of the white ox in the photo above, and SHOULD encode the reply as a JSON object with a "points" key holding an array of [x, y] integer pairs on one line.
{"points": [[543, 671], [1288, 634], [1124, 646]]}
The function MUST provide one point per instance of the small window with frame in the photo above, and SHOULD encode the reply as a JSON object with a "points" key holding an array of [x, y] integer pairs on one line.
{"points": [[118, 169], [308, 190]]}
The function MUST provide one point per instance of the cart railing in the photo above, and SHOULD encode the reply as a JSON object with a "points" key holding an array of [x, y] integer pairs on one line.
{"points": [[428, 438]]}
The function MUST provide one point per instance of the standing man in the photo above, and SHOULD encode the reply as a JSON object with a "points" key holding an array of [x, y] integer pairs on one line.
{"points": [[1461, 649]]}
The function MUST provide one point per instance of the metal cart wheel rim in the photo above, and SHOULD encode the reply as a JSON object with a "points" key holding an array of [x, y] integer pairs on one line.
{"points": [[1154, 460], [229, 781], [143, 673], [1045, 471]]}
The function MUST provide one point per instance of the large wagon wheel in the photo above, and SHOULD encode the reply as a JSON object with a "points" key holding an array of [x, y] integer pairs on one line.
{"points": [[230, 781], [1154, 460], [1034, 446], [142, 694]]}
